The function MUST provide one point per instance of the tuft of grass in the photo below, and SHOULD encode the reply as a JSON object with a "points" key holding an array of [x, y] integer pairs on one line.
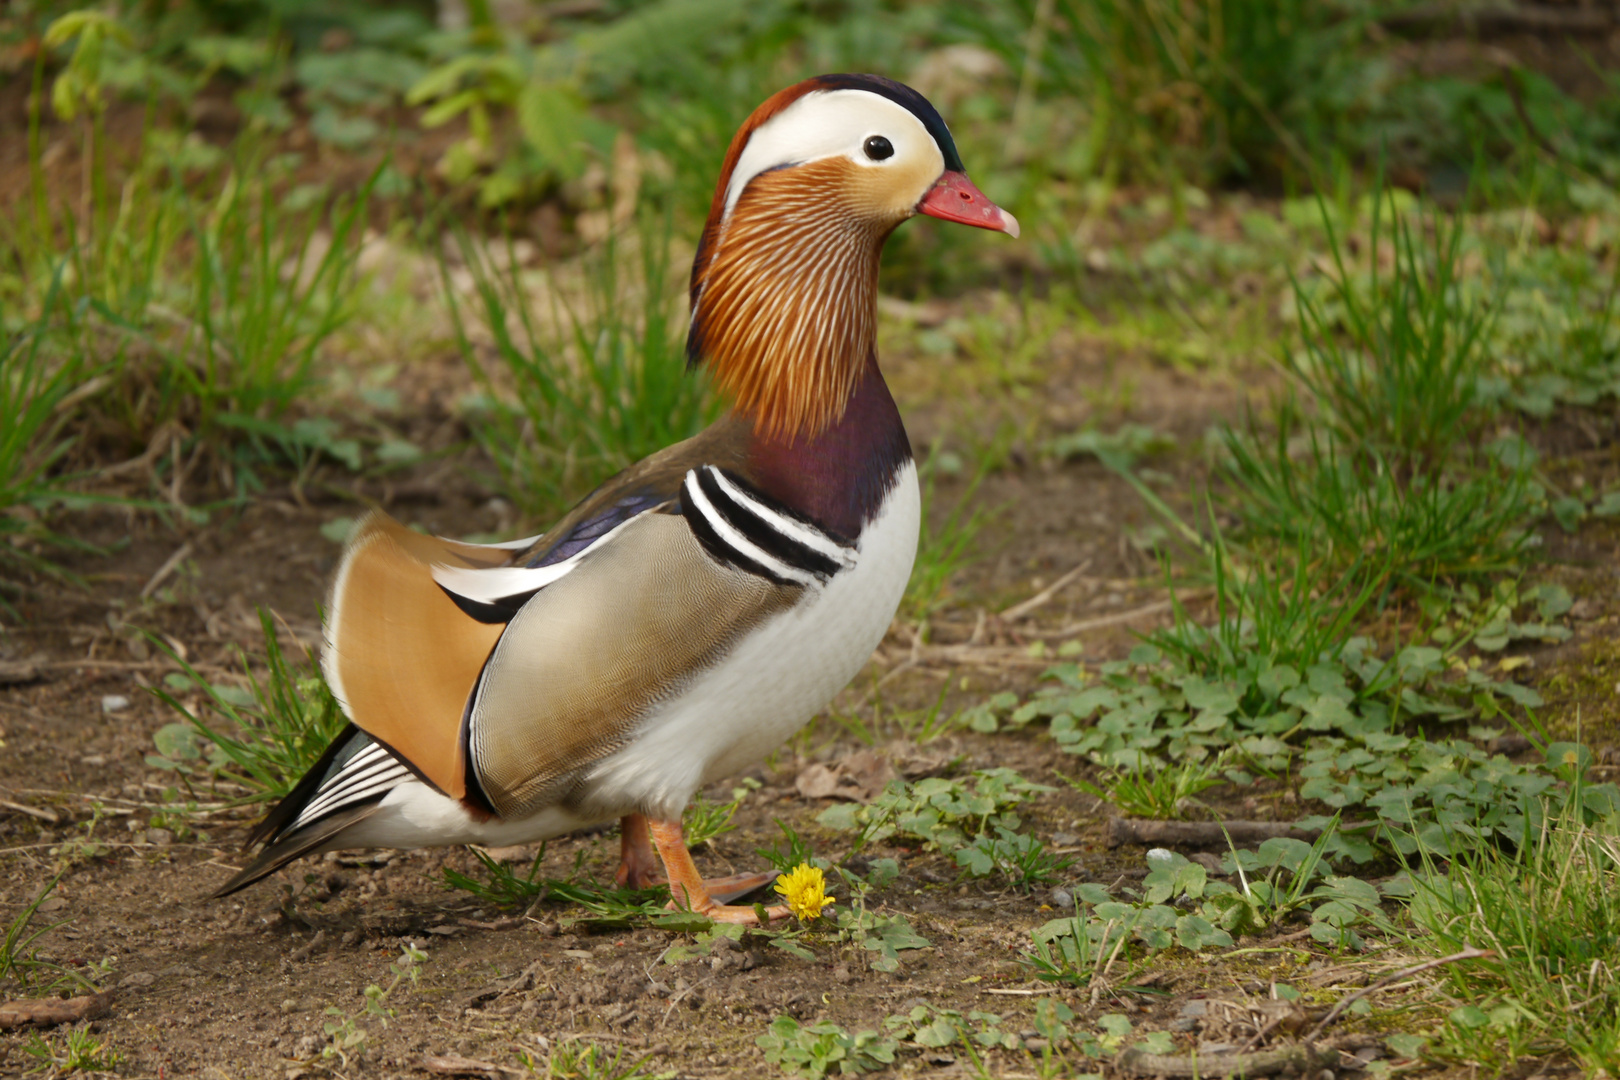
{"points": [[16, 962], [603, 907], [1549, 909], [587, 1061], [186, 319], [817, 1050], [79, 1051], [593, 388], [1265, 620], [36, 398], [282, 724], [1152, 790], [1196, 92], [1391, 480]]}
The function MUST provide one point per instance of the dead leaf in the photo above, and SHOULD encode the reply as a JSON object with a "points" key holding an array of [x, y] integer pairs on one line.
{"points": [[857, 778]]}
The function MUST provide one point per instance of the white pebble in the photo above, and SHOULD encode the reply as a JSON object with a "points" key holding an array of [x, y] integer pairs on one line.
{"points": [[114, 703]]}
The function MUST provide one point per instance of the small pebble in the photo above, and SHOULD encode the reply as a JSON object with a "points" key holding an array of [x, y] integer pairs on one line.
{"points": [[1159, 855], [111, 703], [159, 837], [1062, 898]]}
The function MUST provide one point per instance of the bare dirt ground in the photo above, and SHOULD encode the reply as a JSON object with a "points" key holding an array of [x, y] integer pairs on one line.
{"points": [[242, 987]]}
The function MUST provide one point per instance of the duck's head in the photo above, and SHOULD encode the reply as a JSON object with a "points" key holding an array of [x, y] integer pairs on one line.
{"points": [[784, 286]]}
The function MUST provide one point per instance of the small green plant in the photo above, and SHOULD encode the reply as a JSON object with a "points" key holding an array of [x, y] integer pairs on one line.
{"points": [[283, 723], [794, 851], [344, 1032], [1152, 790], [951, 816], [580, 1060], [603, 907], [705, 820], [16, 962], [1192, 93], [946, 548], [34, 438], [816, 1050], [1019, 858], [1393, 462], [79, 1051]]}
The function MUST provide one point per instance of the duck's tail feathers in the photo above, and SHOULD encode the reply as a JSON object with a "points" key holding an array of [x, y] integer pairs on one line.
{"points": [[344, 787], [297, 844]]}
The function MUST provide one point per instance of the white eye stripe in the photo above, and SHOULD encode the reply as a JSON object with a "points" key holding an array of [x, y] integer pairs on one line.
{"points": [[828, 123]]}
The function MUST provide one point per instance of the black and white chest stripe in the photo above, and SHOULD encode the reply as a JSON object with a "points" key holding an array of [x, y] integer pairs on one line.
{"points": [[741, 527]]}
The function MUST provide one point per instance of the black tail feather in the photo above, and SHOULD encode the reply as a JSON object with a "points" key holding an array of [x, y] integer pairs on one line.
{"points": [[295, 845], [285, 812]]}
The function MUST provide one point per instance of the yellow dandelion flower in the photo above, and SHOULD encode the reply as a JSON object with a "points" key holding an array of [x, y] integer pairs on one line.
{"points": [[806, 891]]}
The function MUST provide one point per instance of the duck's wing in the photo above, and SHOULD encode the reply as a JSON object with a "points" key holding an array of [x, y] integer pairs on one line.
{"points": [[663, 599]]}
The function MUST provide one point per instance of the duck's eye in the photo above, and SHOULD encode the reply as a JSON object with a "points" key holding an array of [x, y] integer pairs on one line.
{"points": [[878, 148]]}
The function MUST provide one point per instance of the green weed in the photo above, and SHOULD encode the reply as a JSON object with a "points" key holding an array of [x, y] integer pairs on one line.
{"points": [[35, 437], [1151, 790], [190, 322], [1194, 92], [282, 724], [79, 1051], [704, 820], [815, 1050], [592, 389], [587, 1061], [16, 962], [344, 1031], [794, 851], [943, 550]]}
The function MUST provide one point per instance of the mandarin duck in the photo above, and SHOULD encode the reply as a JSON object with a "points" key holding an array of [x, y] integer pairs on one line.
{"points": [[689, 615]]}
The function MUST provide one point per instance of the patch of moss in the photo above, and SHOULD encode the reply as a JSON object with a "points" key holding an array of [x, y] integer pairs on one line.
{"points": [[1583, 693]]}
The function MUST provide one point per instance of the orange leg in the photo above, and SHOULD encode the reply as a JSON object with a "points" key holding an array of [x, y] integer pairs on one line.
{"points": [[637, 867], [687, 887]]}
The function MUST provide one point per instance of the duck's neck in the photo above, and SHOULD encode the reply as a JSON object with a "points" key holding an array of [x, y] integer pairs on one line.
{"points": [[840, 477], [784, 301]]}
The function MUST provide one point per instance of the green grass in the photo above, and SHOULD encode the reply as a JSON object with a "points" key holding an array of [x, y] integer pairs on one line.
{"points": [[947, 542], [1150, 790], [1548, 909], [277, 728], [78, 1051], [1386, 477], [16, 961], [587, 386], [35, 438], [191, 317]]}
